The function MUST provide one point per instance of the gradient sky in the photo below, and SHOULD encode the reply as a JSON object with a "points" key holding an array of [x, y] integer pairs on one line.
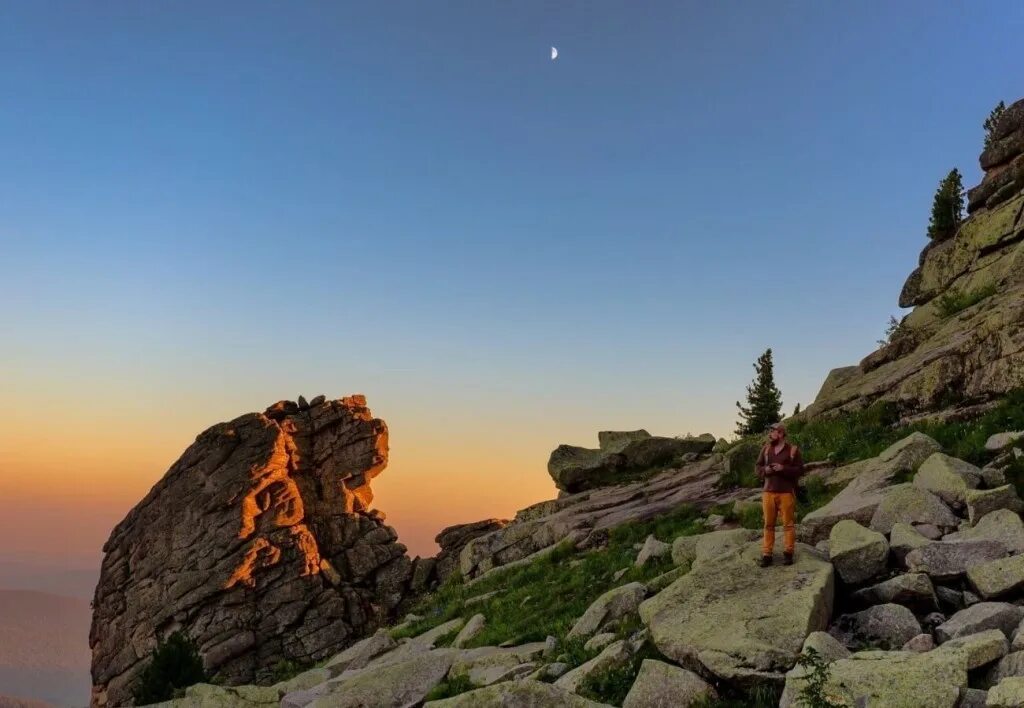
{"points": [[206, 207]]}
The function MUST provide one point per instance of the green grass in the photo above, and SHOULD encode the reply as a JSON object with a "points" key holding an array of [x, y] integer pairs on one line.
{"points": [[858, 436], [451, 686], [547, 596], [759, 697], [955, 301]]}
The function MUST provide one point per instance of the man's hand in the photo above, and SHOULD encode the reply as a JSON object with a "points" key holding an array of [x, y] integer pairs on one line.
{"points": [[775, 467]]}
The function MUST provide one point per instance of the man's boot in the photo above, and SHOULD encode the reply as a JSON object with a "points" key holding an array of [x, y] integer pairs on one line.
{"points": [[765, 561], [787, 558]]}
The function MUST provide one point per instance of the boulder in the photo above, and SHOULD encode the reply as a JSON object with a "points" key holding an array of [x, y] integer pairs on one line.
{"points": [[857, 553], [997, 578], [922, 642], [1010, 665], [980, 617], [612, 605], [362, 652], [981, 648], [888, 626], [972, 698], [913, 590], [260, 543], [621, 457], [1000, 525], [947, 477], [599, 641], [473, 627], [903, 539], [659, 684], [486, 665], [1008, 693], [453, 539], [694, 550], [652, 548], [612, 656], [526, 693], [911, 505], [992, 477], [867, 484], [1000, 441], [984, 501], [738, 622], [401, 683], [828, 647], [893, 679], [949, 561]]}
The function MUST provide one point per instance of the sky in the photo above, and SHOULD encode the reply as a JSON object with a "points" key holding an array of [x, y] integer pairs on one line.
{"points": [[208, 207]]}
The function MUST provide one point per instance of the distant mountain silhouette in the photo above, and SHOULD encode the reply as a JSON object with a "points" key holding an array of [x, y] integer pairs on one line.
{"points": [[44, 649], [53, 577]]}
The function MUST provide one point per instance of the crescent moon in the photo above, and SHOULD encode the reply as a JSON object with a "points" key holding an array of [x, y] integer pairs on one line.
{"points": [[554, 53]]}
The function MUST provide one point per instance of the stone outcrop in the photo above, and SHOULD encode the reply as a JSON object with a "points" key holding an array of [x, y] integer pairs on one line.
{"points": [[727, 620], [260, 543], [620, 457], [453, 539], [941, 359]]}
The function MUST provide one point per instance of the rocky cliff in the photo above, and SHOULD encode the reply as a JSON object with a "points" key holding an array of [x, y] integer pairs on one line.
{"points": [[963, 344], [260, 543]]}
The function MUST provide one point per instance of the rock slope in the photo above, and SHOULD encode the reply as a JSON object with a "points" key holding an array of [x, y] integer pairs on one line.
{"points": [[259, 542], [945, 356]]}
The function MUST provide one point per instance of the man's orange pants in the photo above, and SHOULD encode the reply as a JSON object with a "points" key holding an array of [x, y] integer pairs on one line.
{"points": [[773, 505]]}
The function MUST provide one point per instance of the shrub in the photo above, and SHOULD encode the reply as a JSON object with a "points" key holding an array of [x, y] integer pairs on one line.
{"points": [[175, 665], [812, 693], [955, 301], [947, 206], [892, 331]]}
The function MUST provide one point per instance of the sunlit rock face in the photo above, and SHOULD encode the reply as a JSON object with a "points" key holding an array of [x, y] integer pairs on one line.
{"points": [[259, 542], [963, 345]]}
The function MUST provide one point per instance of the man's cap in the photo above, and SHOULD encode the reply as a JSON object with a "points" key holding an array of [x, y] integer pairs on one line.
{"points": [[777, 426]]}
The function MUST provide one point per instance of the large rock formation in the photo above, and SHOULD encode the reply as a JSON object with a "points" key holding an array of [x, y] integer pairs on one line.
{"points": [[259, 542], [620, 457], [949, 353]]}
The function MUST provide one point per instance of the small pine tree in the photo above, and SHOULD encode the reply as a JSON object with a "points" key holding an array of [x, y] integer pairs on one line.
{"points": [[947, 207], [796, 409], [992, 121], [892, 330], [764, 399], [176, 664]]}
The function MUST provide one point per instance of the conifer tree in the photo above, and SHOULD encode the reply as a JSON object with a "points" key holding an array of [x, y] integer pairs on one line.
{"points": [[176, 664], [764, 399], [947, 207], [992, 121]]}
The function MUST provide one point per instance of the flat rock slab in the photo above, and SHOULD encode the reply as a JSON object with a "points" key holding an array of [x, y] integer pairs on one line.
{"points": [[400, 684], [997, 578], [944, 561], [893, 679], [981, 648], [738, 621], [947, 477], [911, 505], [516, 694], [1008, 693], [980, 617], [1001, 525]]}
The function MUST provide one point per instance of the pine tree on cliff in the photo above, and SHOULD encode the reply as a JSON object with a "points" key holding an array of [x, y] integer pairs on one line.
{"points": [[764, 399], [992, 121], [947, 207]]}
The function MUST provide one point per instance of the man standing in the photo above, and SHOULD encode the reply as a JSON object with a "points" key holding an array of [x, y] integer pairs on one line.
{"points": [[779, 466]]}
